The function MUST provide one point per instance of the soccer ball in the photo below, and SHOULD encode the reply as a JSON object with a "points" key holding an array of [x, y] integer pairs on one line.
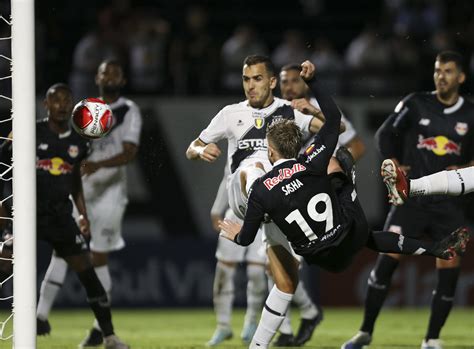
{"points": [[92, 118]]}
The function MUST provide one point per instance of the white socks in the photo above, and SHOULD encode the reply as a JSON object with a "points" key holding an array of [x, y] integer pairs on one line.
{"points": [[256, 291], [223, 294], [285, 326], [306, 306], [273, 313], [454, 182], [103, 273], [301, 298], [52, 282]]}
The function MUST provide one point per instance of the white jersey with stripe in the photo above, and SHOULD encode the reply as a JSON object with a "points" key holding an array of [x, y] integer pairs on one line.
{"points": [[245, 129], [126, 129]]}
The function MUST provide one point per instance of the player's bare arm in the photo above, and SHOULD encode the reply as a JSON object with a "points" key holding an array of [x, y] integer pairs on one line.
{"points": [[127, 155], [79, 201], [200, 150]]}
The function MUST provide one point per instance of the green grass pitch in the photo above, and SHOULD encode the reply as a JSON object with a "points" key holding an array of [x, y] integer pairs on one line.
{"points": [[170, 328]]}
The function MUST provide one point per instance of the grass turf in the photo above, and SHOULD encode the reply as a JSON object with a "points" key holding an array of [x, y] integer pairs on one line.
{"points": [[152, 329]]}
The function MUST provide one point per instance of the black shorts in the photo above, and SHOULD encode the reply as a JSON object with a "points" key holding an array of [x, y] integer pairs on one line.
{"points": [[338, 256], [61, 231], [435, 221]]}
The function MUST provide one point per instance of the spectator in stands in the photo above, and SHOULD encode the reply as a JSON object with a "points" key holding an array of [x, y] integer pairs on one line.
{"points": [[418, 18], [404, 53], [291, 49], [243, 42], [148, 52], [368, 51], [103, 43], [328, 63], [194, 55]]}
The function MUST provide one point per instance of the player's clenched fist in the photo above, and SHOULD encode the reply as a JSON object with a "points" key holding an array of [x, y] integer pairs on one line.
{"points": [[209, 152], [307, 70]]}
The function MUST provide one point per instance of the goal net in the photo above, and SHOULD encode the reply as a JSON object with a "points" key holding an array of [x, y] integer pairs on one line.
{"points": [[17, 52]]}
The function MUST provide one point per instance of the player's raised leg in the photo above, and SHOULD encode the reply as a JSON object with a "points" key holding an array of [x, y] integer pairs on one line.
{"points": [[453, 182], [448, 248]]}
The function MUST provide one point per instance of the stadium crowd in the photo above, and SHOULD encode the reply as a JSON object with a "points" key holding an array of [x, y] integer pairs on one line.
{"points": [[180, 48]]}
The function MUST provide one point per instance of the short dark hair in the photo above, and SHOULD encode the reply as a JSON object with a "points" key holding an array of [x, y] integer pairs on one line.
{"points": [[286, 137], [58, 86], [256, 59], [451, 56], [111, 61], [292, 66]]}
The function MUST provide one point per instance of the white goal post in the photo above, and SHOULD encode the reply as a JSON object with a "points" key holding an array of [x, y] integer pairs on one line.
{"points": [[24, 174]]}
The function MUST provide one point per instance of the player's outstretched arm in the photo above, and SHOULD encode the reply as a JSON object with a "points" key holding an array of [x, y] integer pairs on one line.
{"points": [[124, 157], [200, 150]]}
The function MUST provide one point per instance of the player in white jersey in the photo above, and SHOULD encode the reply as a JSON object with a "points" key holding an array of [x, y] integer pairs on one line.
{"points": [[244, 126], [293, 87], [105, 190], [228, 255]]}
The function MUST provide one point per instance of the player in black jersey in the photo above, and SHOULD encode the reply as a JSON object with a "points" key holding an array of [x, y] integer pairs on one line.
{"points": [[318, 213], [428, 132], [58, 158]]}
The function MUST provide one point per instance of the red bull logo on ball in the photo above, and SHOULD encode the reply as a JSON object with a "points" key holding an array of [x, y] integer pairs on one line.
{"points": [[440, 145], [56, 166]]}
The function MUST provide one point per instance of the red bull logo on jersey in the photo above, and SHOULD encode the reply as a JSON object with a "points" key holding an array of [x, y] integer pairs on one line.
{"points": [[56, 166], [440, 145], [283, 173]]}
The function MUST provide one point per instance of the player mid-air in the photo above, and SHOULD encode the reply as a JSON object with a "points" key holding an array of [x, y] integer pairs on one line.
{"points": [[318, 213], [244, 126]]}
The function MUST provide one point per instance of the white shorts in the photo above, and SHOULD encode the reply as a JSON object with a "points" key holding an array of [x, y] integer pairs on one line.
{"points": [[228, 251], [273, 236], [237, 199], [105, 216]]}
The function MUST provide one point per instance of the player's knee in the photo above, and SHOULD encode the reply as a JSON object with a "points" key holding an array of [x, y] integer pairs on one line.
{"points": [[382, 273], [287, 284], [79, 263], [224, 278], [91, 283], [256, 277], [99, 259]]}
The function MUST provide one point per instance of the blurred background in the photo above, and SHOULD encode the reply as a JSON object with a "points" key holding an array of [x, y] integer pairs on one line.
{"points": [[183, 63]]}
